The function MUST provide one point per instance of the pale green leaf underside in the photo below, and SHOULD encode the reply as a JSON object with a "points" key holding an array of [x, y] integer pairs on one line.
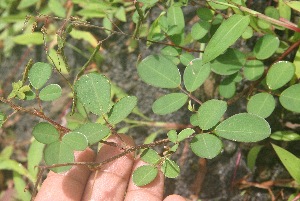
{"points": [[93, 91], [226, 35], [169, 103], [159, 71], [50, 92], [244, 127], [206, 145], [39, 74]]}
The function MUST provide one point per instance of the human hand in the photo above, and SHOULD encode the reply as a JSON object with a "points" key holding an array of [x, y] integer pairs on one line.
{"points": [[112, 182]]}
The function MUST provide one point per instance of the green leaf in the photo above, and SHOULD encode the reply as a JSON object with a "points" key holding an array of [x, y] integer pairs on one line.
{"points": [[210, 113], [244, 127], [218, 6], [6, 152], [253, 70], [58, 153], [266, 46], [279, 74], [50, 92], [94, 132], [169, 103], [284, 10], [19, 186], [252, 155], [93, 91], [35, 38], [195, 74], [290, 98], [143, 175], [290, 162], [172, 136], [170, 51], [45, 133], [8, 164], [170, 169], [175, 20], [262, 104], [285, 136], [26, 3], [159, 71], [227, 87], [39, 74], [186, 58], [121, 14], [84, 35], [150, 156], [294, 5], [248, 33], [122, 109], [206, 145], [228, 32], [35, 155], [75, 140], [185, 134], [57, 7], [200, 29], [228, 63], [205, 14]]}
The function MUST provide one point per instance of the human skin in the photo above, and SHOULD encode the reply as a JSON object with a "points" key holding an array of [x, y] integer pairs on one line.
{"points": [[113, 182]]}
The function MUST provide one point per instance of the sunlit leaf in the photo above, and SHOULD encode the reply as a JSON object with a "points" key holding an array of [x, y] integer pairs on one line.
{"points": [[93, 91], [294, 5], [279, 74], [206, 145], [35, 155], [228, 63], [170, 169], [290, 162], [195, 74], [266, 46], [57, 8], [210, 113], [159, 71], [143, 175], [35, 38], [39, 74], [122, 109], [228, 32], [75, 140], [26, 3], [50, 92], [185, 133], [94, 132], [58, 153], [261, 104], [84, 35], [244, 127], [19, 186], [169, 103], [45, 133], [290, 98], [150, 156]]}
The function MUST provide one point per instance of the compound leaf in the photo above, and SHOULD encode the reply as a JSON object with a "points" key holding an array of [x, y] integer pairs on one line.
{"points": [[45, 133], [290, 161], [143, 175], [39, 74], [169, 103], [122, 109], [262, 104], [94, 132], [210, 113], [228, 32], [75, 140], [279, 74], [170, 169], [244, 127], [50, 92], [159, 71], [290, 98], [93, 91], [266, 46], [58, 153], [150, 156], [195, 74], [206, 145]]}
